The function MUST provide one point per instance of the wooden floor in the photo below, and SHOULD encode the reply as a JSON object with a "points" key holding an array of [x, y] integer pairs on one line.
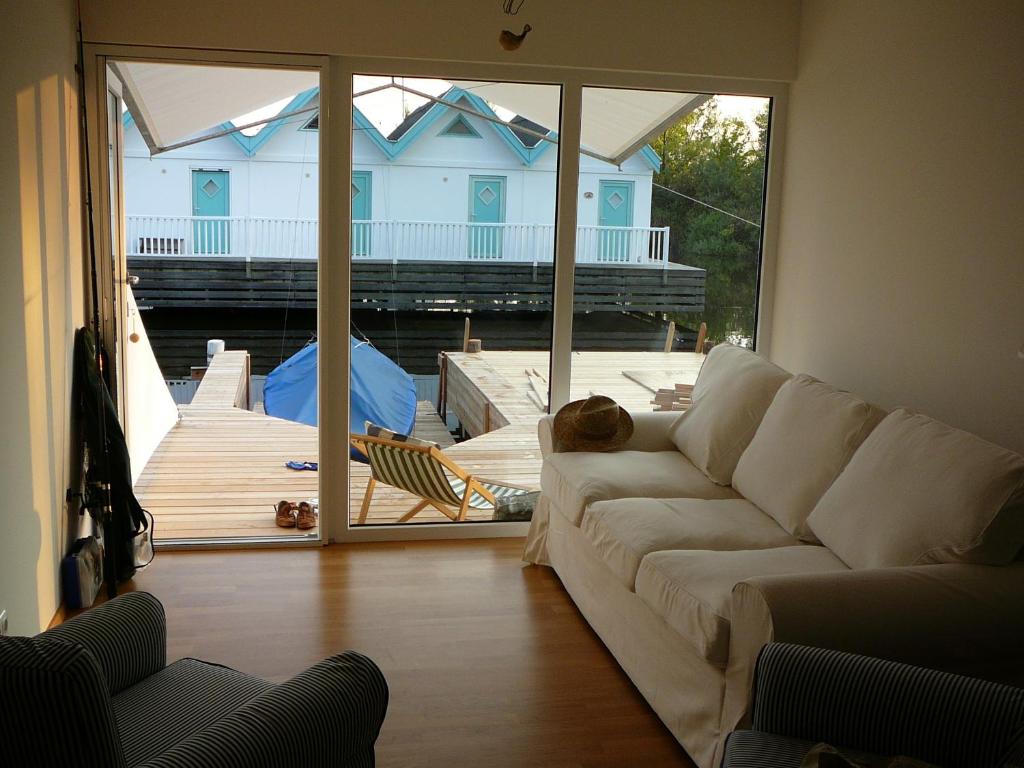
{"points": [[489, 663]]}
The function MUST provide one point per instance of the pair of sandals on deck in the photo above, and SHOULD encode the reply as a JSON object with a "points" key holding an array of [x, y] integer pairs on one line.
{"points": [[288, 514]]}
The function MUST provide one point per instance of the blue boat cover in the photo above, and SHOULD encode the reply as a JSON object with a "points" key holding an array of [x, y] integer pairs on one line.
{"points": [[381, 391]]}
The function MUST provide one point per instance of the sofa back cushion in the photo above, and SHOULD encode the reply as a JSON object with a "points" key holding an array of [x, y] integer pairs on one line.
{"points": [[732, 392], [918, 491], [806, 437]]}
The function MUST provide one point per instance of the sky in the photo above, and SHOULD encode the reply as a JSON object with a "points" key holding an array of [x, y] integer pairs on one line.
{"points": [[386, 109]]}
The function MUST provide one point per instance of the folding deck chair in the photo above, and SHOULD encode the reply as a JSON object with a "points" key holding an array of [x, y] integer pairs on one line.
{"points": [[425, 471]]}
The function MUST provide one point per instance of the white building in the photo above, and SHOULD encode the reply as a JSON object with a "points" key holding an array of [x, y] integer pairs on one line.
{"points": [[445, 184]]}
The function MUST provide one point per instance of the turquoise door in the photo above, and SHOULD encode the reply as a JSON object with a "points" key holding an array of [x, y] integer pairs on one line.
{"points": [[615, 201], [211, 195], [362, 211], [486, 206]]}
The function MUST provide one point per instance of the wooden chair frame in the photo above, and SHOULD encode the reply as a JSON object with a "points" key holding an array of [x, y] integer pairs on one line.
{"points": [[473, 484]]}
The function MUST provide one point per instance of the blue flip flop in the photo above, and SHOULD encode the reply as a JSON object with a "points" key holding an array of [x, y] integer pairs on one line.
{"points": [[311, 466]]}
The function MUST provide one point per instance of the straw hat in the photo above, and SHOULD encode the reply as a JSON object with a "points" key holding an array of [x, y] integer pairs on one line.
{"points": [[594, 424]]}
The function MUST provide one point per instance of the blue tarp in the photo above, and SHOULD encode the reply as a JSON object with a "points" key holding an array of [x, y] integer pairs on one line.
{"points": [[381, 392]]}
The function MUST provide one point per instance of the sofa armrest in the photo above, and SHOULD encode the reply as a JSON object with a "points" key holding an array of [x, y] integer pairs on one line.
{"points": [[953, 617], [651, 432], [883, 707], [329, 715], [127, 636]]}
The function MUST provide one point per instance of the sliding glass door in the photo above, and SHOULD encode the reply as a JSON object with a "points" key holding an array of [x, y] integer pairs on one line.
{"points": [[668, 252], [452, 264]]}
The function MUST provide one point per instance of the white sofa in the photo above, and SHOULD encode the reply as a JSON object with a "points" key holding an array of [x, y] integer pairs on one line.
{"points": [[778, 508]]}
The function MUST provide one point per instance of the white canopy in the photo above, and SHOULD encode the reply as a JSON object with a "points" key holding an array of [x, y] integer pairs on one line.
{"points": [[172, 103], [616, 122]]}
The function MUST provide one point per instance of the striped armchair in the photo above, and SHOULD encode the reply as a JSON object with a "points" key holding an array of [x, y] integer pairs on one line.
{"points": [[96, 691], [869, 707]]}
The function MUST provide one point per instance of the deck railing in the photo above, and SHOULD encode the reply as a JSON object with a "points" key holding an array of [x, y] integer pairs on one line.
{"points": [[266, 238]]}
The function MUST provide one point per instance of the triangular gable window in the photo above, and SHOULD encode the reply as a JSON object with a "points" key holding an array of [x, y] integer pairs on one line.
{"points": [[460, 127], [313, 124]]}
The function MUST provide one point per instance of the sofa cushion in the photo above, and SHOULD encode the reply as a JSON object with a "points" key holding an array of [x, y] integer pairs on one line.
{"points": [[179, 700], [571, 481], [624, 531], [918, 491], [806, 437], [732, 392], [691, 590]]}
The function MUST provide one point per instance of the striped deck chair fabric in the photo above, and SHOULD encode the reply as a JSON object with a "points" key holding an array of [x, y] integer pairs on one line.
{"points": [[479, 502], [420, 473]]}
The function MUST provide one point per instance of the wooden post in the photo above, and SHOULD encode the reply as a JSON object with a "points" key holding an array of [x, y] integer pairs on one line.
{"points": [[442, 393], [670, 337], [702, 335], [465, 337]]}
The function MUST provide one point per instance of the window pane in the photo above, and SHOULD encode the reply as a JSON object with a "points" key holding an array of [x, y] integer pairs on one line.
{"points": [[669, 244], [223, 234], [453, 222]]}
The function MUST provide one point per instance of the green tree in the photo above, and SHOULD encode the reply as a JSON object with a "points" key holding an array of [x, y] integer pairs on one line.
{"points": [[717, 161]]}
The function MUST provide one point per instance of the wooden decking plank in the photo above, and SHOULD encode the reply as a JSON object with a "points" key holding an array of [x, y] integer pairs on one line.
{"points": [[219, 471]]}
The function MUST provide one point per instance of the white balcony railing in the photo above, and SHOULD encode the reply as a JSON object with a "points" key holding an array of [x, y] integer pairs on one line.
{"points": [[263, 238]]}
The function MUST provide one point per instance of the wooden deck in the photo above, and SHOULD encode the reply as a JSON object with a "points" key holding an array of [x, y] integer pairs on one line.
{"points": [[492, 395], [219, 471], [489, 390]]}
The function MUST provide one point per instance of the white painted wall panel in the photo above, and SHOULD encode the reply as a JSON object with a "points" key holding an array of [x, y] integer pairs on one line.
{"points": [[427, 182]]}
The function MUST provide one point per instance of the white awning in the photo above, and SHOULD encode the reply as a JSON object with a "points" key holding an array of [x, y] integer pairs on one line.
{"points": [[616, 122], [174, 102]]}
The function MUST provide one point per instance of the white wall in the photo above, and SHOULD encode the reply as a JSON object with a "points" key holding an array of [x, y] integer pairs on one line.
{"points": [[150, 410], [41, 302], [901, 253], [725, 38], [427, 182]]}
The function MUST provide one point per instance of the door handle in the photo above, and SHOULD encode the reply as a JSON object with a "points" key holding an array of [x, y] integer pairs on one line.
{"points": [[132, 280]]}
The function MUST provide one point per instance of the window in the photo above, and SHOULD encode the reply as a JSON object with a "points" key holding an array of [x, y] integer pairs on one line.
{"points": [[313, 124], [460, 127], [452, 283], [668, 249]]}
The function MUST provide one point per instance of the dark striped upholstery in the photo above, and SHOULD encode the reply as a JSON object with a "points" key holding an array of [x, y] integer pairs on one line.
{"points": [[127, 636], [329, 715], [165, 708], [886, 708], [56, 707], [754, 749]]}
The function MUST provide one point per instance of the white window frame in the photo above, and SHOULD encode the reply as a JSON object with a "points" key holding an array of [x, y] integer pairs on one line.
{"points": [[335, 136]]}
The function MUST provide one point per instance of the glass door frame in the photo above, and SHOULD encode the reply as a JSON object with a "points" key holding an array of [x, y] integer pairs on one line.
{"points": [[335, 153], [108, 219], [572, 83]]}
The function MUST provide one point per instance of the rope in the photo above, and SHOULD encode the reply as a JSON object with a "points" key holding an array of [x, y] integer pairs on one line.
{"points": [[707, 205], [291, 259]]}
